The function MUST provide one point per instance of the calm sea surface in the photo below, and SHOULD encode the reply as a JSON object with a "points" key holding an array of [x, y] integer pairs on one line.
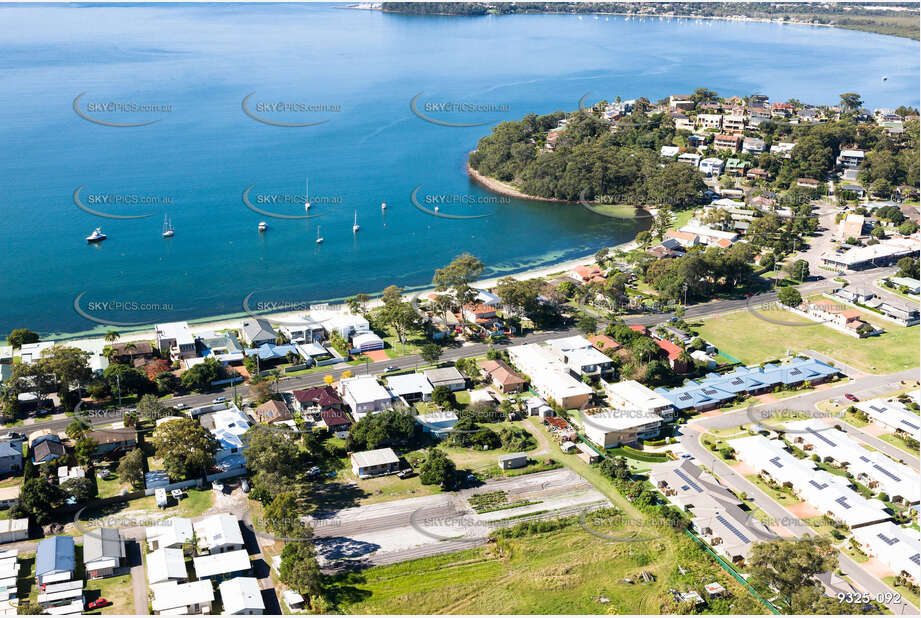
{"points": [[194, 164]]}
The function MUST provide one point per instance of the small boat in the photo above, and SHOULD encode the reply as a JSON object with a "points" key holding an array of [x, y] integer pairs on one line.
{"points": [[319, 238], [355, 226], [436, 208], [383, 205], [307, 196], [96, 236], [168, 231], [885, 77], [263, 226]]}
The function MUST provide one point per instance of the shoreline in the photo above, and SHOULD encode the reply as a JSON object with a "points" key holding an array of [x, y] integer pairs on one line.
{"points": [[502, 188], [232, 321]]}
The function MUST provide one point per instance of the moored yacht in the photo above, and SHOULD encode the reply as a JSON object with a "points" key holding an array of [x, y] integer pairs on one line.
{"points": [[96, 236]]}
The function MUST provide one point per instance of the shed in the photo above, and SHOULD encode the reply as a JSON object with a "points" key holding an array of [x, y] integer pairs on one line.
{"points": [[513, 460], [446, 376], [103, 552]]}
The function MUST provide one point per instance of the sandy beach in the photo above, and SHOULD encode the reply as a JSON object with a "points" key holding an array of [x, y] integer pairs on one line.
{"points": [[503, 188]]}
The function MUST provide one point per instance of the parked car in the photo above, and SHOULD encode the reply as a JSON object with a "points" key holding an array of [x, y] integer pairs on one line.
{"points": [[100, 602], [850, 397], [219, 400], [181, 406], [217, 486], [391, 368], [314, 471], [406, 473]]}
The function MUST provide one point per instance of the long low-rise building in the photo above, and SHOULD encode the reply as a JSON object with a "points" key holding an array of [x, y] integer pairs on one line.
{"points": [[608, 427], [893, 414], [871, 468], [630, 394], [830, 494], [716, 513], [189, 598], [887, 252], [549, 376], [222, 566], [896, 547], [714, 390]]}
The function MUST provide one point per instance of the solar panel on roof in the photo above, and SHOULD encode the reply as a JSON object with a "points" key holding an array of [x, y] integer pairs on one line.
{"points": [[864, 458], [818, 485], [684, 477], [916, 558], [912, 425], [820, 437], [733, 529], [684, 397], [877, 408], [843, 502], [737, 381], [887, 473], [776, 462], [887, 540]]}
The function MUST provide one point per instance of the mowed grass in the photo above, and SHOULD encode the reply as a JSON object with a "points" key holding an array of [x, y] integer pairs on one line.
{"points": [[753, 340], [568, 571], [117, 590]]}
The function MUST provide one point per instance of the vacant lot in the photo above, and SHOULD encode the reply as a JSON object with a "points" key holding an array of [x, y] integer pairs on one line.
{"points": [[753, 340], [568, 571]]}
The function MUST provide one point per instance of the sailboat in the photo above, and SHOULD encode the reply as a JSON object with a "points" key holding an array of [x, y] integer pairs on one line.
{"points": [[96, 236], [355, 226], [263, 226], [307, 196], [168, 231], [319, 238]]}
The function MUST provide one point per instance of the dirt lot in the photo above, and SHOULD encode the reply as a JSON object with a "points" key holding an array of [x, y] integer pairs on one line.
{"points": [[400, 530]]}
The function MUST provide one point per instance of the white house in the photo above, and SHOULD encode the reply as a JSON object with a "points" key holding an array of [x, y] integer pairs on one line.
{"points": [[892, 414], [228, 564], [364, 395], [411, 387], [173, 533], [227, 426], [609, 428], [219, 533], [896, 547], [549, 376], [176, 340], [166, 564], [366, 464], [241, 596], [189, 598], [690, 158], [712, 166]]}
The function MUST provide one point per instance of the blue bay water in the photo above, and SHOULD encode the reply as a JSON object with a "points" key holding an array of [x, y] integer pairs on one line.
{"points": [[203, 60]]}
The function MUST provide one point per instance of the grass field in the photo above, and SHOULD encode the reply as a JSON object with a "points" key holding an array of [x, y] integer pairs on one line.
{"points": [[115, 589], [753, 340], [905, 592], [568, 571], [896, 441]]}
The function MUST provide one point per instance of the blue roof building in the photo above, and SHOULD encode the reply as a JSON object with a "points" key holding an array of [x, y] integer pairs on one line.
{"points": [[713, 390], [54, 559]]}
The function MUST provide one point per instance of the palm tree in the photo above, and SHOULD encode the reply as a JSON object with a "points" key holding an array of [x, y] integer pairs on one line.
{"points": [[112, 336]]}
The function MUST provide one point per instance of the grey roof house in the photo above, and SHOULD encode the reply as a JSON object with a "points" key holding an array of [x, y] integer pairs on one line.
{"points": [[258, 332], [103, 552], [10, 456]]}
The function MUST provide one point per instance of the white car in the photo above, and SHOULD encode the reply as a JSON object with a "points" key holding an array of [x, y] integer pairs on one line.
{"points": [[181, 406], [219, 400]]}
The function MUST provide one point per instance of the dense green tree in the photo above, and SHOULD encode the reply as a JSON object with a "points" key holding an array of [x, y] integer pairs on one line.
{"points": [[185, 448], [790, 296], [21, 336], [786, 567], [430, 352], [131, 467], [389, 428], [438, 469]]}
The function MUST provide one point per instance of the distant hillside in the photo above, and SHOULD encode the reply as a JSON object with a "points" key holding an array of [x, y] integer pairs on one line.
{"points": [[897, 19]]}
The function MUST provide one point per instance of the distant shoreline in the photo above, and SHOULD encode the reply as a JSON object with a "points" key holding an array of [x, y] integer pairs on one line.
{"points": [[497, 186]]}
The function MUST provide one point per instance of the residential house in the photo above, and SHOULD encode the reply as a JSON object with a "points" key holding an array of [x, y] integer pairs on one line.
{"points": [[724, 141], [54, 560], [10, 457], [685, 239], [171, 597], [103, 552], [46, 448], [783, 149], [807, 183], [757, 173], [176, 339], [364, 395], [378, 462], [669, 152], [851, 226], [273, 411], [895, 546], [709, 121], [222, 566], [366, 341], [113, 441], [587, 274], [711, 166], [172, 533], [335, 420], [733, 124], [581, 357], [691, 158], [479, 313], [136, 353], [837, 316], [318, 397], [258, 332], [673, 352], [753, 145], [227, 427], [411, 387], [502, 377], [892, 414], [12, 530], [219, 534], [736, 167], [241, 596], [446, 376], [905, 313], [166, 564], [850, 159], [784, 110]]}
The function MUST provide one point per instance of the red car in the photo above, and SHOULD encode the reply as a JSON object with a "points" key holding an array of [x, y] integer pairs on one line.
{"points": [[98, 603], [850, 397]]}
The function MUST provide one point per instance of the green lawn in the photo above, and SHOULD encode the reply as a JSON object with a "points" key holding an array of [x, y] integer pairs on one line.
{"points": [[140, 511], [894, 440], [753, 340], [782, 496], [117, 590], [905, 592], [568, 571]]}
